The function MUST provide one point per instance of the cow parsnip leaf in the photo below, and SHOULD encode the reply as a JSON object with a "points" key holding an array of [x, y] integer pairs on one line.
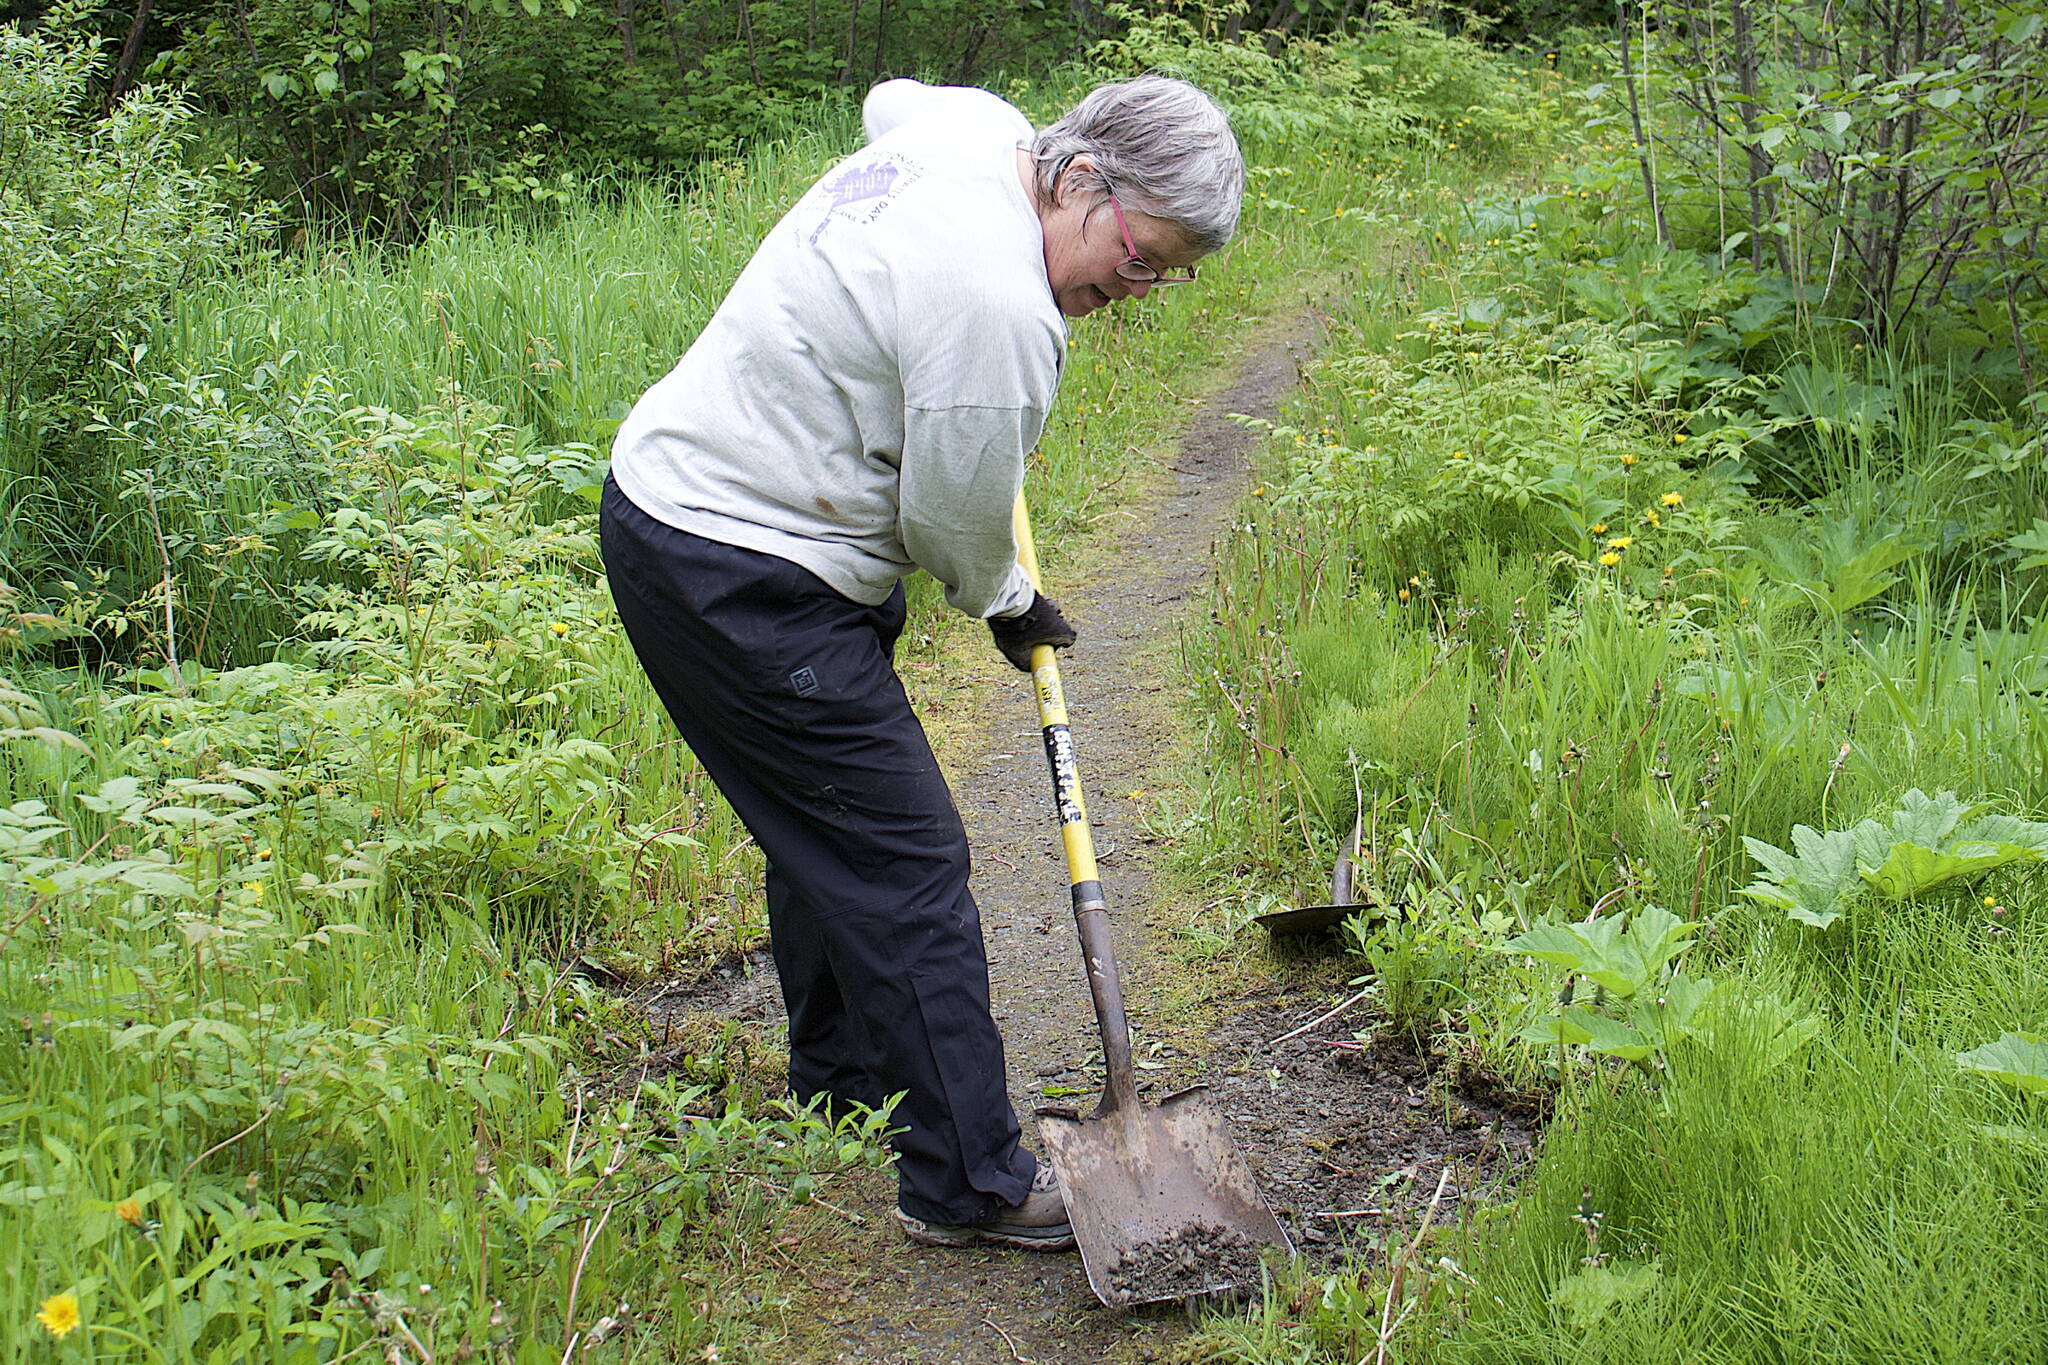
{"points": [[2019, 1060]]}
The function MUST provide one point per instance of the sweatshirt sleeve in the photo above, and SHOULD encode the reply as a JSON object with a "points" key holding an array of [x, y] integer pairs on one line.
{"points": [[962, 467]]}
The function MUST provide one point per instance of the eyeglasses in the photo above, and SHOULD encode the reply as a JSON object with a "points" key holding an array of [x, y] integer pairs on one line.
{"points": [[1136, 268]]}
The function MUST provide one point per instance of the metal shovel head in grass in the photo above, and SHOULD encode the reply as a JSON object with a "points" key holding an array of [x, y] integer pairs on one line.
{"points": [[1163, 1204], [1310, 919]]}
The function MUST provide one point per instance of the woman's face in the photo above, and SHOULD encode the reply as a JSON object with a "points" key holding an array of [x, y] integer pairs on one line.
{"points": [[1083, 247]]}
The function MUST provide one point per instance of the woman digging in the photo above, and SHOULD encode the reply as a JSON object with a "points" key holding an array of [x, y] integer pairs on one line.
{"points": [[860, 407]]}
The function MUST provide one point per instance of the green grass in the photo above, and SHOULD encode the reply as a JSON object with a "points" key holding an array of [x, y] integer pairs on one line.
{"points": [[1571, 640]]}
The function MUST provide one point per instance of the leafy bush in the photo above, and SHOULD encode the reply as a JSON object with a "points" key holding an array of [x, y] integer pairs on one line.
{"points": [[101, 223]]}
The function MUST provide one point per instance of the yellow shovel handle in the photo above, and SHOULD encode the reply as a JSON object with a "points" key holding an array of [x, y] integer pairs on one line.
{"points": [[1091, 911]]}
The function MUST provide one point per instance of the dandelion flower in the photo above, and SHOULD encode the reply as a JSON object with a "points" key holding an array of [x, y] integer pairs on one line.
{"points": [[1610, 559], [59, 1315], [1627, 461], [1678, 438], [1621, 542], [1599, 528], [129, 1211], [1403, 594], [1652, 517], [1672, 499], [560, 628], [1415, 582]]}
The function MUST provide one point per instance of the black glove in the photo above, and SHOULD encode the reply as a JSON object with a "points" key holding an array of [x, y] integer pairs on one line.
{"points": [[1039, 624]]}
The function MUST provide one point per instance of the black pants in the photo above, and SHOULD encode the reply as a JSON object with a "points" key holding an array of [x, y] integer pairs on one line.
{"points": [[785, 692]]}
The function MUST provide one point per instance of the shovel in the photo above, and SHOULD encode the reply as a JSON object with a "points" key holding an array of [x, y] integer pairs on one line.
{"points": [[1308, 919], [1163, 1204]]}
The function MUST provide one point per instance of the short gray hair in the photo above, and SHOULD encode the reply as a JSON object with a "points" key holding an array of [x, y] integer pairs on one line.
{"points": [[1161, 145]]}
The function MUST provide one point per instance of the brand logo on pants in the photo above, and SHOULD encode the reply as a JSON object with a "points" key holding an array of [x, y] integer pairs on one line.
{"points": [[804, 681]]}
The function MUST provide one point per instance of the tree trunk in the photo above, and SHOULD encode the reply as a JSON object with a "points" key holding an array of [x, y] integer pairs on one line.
{"points": [[675, 44], [1762, 208], [747, 28], [124, 67], [629, 49]]}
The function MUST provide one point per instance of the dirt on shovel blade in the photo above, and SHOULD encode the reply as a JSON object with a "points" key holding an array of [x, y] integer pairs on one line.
{"points": [[1195, 1260]]}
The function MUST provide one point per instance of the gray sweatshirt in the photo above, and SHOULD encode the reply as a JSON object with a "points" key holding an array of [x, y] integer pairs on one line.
{"points": [[862, 401]]}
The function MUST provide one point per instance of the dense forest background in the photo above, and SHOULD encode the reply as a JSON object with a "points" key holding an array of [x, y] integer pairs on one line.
{"points": [[390, 112]]}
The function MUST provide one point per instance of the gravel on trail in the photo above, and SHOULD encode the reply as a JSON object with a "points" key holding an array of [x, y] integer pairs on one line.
{"points": [[1346, 1141]]}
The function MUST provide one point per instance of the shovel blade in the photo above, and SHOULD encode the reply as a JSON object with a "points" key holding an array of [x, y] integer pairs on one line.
{"points": [[1164, 1205]]}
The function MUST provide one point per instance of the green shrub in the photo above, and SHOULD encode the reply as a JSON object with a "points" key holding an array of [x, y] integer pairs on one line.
{"points": [[102, 222]]}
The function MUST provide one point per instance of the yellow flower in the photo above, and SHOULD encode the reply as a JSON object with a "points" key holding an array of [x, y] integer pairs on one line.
{"points": [[1621, 542], [1610, 559], [1627, 461], [1414, 582], [1403, 594], [1672, 499], [1678, 438], [59, 1314], [1653, 518], [1259, 492], [130, 1211], [1599, 528], [559, 628], [255, 890]]}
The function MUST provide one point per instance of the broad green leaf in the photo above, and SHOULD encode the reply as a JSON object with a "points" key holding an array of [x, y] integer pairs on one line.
{"points": [[1914, 868], [1610, 1037], [1620, 959], [1810, 883], [1555, 1029], [2019, 1060], [2032, 544], [2007, 831], [2017, 26], [1552, 943], [1924, 819], [1588, 1295]]}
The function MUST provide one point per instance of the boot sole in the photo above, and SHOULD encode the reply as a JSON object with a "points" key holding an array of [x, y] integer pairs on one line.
{"points": [[940, 1235]]}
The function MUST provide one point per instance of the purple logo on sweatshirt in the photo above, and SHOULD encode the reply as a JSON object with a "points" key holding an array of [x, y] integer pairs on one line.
{"points": [[858, 194], [862, 182]]}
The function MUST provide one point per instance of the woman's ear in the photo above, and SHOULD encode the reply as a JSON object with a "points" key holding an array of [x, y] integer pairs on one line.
{"points": [[1082, 166]]}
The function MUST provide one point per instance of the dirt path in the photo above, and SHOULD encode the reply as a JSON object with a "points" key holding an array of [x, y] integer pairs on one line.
{"points": [[1318, 1147]]}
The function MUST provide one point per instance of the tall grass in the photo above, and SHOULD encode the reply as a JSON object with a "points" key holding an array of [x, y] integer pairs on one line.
{"points": [[1531, 614]]}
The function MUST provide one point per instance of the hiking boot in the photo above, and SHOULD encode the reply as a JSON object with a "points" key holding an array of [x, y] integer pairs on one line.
{"points": [[1037, 1224]]}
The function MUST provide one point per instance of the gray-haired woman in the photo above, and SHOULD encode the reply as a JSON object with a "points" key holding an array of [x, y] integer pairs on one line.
{"points": [[859, 408]]}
